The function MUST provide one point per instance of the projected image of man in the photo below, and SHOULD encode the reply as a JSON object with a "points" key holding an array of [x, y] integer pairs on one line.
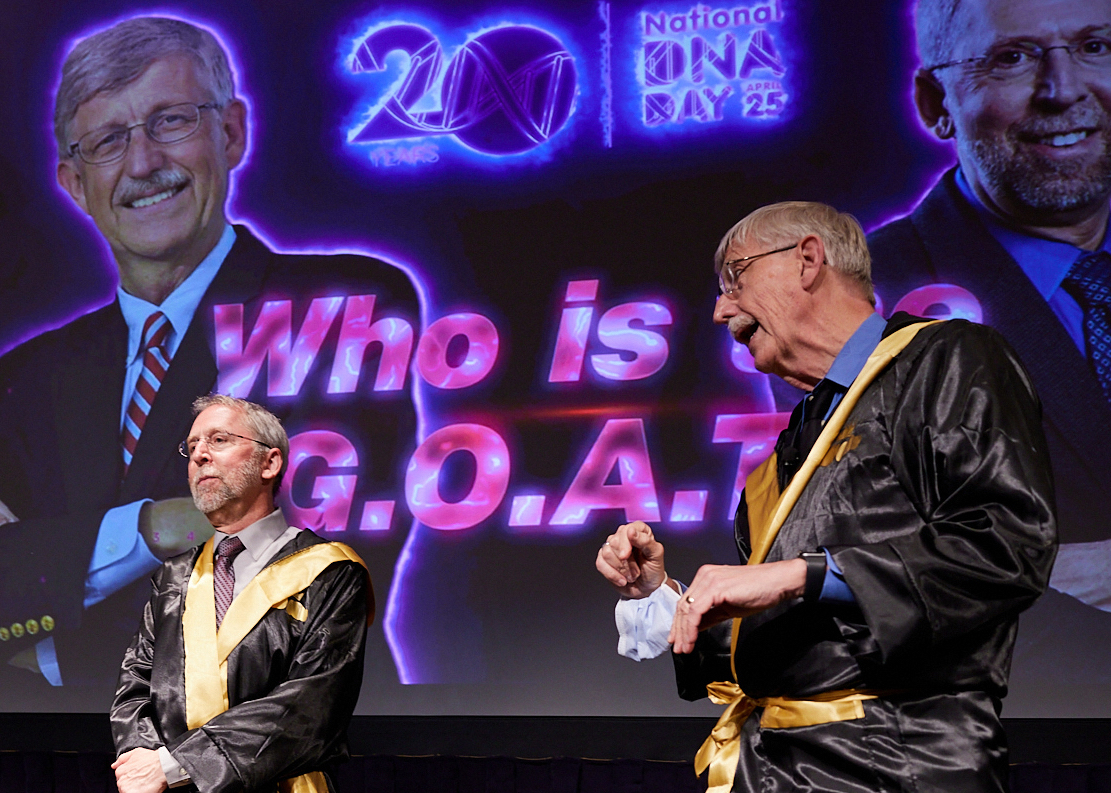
{"points": [[149, 130], [1023, 91]]}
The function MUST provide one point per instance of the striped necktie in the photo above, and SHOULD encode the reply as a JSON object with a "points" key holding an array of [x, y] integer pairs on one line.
{"points": [[223, 576], [155, 363], [1089, 282]]}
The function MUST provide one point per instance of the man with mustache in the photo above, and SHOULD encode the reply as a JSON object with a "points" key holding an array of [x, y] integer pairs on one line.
{"points": [[283, 611], [1023, 89], [149, 130], [887, 547]]}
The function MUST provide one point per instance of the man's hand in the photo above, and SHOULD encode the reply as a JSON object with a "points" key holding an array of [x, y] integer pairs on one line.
{"points": [[632, 560], [719, 592], [140, 771], [173, 526]]}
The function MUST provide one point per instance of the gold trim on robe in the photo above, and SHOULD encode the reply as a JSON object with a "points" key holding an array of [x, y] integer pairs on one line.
{"points": [[768, 510], [278, 585]]}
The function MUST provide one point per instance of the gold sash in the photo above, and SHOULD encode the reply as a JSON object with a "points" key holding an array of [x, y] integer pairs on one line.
{"points": [[207, 650], [768, 509]]}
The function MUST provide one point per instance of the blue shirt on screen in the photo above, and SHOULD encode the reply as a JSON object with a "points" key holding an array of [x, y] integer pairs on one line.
{"points": [[121, 555], [1045, 262]]}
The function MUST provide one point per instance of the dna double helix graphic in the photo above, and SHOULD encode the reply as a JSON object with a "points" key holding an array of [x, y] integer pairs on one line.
{"points": [[505, 91]]}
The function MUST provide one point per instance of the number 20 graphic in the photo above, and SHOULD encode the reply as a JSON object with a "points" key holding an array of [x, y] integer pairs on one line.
{"points": [[505, 91]]}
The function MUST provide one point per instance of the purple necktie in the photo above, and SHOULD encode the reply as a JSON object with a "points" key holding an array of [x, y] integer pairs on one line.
{"points": [[223, 579], [1089, 282]]}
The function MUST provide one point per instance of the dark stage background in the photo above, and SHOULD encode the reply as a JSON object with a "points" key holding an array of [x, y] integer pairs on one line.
{"points": [[560, 230]]}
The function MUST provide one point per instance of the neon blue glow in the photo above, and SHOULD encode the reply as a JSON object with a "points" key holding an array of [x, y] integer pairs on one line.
{"points": [[700, 68], [404, 559], [418, 154], [509, 89], [606, 69], [66, 200]]}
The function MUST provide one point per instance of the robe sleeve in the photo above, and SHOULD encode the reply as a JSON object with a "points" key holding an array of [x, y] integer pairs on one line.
{"points": [[303, 718], [970, 454], [710, 662], [132, 715]]}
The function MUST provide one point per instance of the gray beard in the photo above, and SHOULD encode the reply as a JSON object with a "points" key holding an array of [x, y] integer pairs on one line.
{"points": [[231, 486], [1039, 183]]}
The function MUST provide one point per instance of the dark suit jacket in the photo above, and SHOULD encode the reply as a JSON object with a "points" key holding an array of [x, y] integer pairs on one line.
{"points": [[300, 678], [60, 461], [944, 241], [1063, 644]]}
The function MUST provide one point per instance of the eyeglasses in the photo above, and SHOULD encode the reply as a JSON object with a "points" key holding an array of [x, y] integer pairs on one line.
{"points": [[727, 278], [1020, 60], [216, 442], [168, 125]]}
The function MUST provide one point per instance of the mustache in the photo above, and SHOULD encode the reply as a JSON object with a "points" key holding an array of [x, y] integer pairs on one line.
{"points": [[739, 324], [203, 472], [1083, 115], [129, 189]]}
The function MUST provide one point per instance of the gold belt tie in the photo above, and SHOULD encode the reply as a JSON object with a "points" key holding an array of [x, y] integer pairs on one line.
{"points": [[722, 750], [768, 510], [312, 782]]}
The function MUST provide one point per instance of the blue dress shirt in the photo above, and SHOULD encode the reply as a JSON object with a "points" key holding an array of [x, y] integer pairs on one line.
{"points": [[846, 366], [1045, 263], [643, 624], [120, 555]]}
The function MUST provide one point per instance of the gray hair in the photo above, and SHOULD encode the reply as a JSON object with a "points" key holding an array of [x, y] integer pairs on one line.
{"points": [[933, 24], [264, 424], [113, 58], [776, 225]]}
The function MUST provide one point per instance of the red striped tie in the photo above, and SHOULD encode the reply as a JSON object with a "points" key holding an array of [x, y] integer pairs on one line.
{"points": [[155, 363]]}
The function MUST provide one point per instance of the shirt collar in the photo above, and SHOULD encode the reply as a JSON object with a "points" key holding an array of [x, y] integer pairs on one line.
{"points": [[848, 363], [1045, 262], [260, 534], [181, 304]]}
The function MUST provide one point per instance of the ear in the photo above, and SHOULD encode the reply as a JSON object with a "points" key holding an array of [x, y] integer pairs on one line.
{"points": [[234, 123], [812, 253], [272, 465], [929, 98], [70, 179]]}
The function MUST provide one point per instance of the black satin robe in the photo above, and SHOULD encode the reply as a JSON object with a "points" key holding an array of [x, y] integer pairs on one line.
{"points": [[292, 685], [941, 515]]}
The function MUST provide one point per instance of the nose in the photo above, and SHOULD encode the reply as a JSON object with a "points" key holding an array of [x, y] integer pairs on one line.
{"points": [[201, 454], [724, 308], [1060, 83], [143, 156]]}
